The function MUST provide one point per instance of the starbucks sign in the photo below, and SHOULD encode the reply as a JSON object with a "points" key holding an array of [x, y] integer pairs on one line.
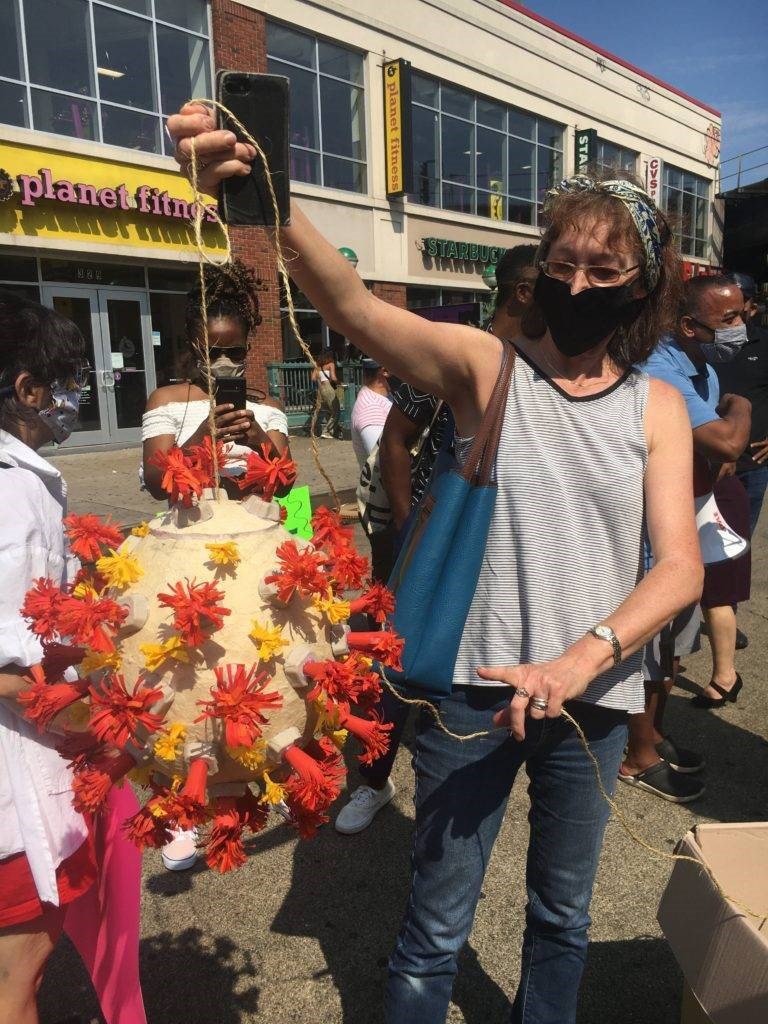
{"points": [[472, 252]]}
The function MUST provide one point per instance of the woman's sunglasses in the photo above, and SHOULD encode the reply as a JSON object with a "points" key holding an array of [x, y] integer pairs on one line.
{"points": [[236, 353]]}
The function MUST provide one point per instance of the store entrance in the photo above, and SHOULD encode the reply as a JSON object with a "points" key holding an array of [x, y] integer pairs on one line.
{"points": [[116, 326]]}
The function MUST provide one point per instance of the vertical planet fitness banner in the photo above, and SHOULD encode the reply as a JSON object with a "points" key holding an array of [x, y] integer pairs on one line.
{"points": [[398, 134]]}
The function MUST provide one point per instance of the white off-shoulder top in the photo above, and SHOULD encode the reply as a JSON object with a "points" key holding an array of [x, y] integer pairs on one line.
{"points": [[181, 420]]}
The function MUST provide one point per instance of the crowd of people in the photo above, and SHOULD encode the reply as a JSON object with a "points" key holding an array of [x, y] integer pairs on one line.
{"points": [[629, 397]]}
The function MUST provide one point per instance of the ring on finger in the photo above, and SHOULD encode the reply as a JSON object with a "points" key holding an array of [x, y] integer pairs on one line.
{"points": [[522, 692], [539, 703]]}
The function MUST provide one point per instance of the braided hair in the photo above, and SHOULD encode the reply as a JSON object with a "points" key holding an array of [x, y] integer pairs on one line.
{"points": [[230, 292]]}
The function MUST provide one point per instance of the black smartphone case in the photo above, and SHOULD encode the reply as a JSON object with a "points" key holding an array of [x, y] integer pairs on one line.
{"points": [[231, 390], [262, 104]]}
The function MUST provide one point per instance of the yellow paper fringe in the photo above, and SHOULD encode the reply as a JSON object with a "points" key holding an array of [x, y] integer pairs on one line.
{"points": [[119, 570], [269, 641], [170, 742], [251, 758], [225, 553], [155, 655]]}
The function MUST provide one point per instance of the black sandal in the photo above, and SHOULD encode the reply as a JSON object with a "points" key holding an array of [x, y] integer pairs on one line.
{"points": [[663, 781], [726, 696]]}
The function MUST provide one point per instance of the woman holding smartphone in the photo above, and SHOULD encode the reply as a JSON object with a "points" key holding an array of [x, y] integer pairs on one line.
{"points": [[178, 413], [591, 452]]}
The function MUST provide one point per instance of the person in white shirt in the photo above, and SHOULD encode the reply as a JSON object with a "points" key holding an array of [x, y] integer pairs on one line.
{"points": [[370, 411], [46, 858], [178, 413]]}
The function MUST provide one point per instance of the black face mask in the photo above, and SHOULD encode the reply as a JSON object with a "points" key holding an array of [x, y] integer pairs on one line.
{"points": [[579, 322]]}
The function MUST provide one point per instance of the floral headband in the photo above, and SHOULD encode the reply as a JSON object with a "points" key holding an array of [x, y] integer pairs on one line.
{"points": [[641, 208]]}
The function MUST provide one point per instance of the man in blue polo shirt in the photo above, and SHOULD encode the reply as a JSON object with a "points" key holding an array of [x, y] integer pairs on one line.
{"points": [[710, 329]]}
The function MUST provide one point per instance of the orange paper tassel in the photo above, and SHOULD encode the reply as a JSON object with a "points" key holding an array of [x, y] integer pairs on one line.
{"points": [[91, 785], [116, 714], [88, 535], [378, 602], [300, 571], [372, 732], [181, 477], [197, 610], [385, 646], [240, 699], [42, 701], [268, 473]]}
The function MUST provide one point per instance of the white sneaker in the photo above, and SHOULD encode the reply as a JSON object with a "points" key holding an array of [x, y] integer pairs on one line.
{"points": [[181, 853], [362, 808]]}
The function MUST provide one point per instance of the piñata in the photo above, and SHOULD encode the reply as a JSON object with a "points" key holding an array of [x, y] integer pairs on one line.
{"points": [[215, 662]]}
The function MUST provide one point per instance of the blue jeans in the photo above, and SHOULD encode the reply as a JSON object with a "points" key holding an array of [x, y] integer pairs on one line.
{"points": [[755, 482], [461, 794]]}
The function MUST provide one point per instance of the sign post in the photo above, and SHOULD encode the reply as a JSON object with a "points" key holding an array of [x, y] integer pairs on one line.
{"points": [[398, 134]]}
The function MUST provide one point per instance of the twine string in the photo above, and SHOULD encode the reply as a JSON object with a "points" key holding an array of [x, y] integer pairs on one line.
{"points": [[410, 701], [281, 268], [628, 828]]}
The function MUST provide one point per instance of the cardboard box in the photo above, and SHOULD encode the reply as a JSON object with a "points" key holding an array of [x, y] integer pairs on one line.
{"points": [[722, 951]]}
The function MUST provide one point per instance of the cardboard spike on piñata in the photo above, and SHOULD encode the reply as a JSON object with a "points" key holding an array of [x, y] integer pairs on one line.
{"points": [[214, 659]]}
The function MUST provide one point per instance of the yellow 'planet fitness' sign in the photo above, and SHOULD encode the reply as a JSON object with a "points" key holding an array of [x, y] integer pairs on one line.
{"points": [[59, 197]]}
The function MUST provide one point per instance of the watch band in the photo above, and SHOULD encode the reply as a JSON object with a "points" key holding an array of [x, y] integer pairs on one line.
{"points": [[606, 633]]}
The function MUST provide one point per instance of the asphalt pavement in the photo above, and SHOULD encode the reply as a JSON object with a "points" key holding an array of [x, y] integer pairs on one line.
{"points": [[301, 934]]}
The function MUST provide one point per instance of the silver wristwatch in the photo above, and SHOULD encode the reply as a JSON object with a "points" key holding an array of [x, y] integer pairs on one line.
{"points": [[606, 633]]}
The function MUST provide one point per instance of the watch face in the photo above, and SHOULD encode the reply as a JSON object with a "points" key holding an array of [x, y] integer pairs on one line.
{"points": [[604, 632]]}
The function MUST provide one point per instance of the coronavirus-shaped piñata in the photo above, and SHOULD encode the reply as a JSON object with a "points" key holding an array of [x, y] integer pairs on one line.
{"points": [[208, 656]]}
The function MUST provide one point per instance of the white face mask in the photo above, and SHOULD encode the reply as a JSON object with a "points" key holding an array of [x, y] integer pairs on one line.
{"points": [[61, 415], [727, 343], [223, 366]]}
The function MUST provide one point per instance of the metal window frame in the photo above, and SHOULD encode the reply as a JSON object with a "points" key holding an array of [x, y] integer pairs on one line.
{"points": [[505, 133], [678, 231], [321, 152], [158, 114]]}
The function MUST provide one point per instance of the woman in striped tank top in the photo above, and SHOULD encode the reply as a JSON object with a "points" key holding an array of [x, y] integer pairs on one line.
{"points": [[591, 449]]}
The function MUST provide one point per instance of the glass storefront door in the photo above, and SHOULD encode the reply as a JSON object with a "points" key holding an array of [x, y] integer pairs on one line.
{"points": [[116, 327]]}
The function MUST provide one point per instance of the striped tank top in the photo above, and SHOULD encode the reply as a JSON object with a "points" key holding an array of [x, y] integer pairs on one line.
{"points": [[564, 547]]}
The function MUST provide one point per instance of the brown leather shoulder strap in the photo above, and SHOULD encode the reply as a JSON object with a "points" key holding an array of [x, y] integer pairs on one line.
{"points": [[482, 455]]}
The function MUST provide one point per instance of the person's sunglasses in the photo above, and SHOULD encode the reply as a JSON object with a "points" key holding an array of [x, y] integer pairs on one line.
{"points": [[236, 353], [560, 270]]}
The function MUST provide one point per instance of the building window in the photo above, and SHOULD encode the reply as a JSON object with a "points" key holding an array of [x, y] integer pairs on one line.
{"points": [[327, 108], [686, 202], [417, 297], [18, 274], [474, 155], [108, 72], [612, 157]]}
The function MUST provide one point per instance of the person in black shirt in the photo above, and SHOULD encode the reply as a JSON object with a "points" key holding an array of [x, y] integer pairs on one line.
{"points": [[747, 375], [405, 479]]}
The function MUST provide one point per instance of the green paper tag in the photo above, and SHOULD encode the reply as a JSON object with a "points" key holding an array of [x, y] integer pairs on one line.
{"points": [[298, 512]]}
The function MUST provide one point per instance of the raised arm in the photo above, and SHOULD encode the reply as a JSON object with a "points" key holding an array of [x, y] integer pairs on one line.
{"points": [[457, 363]]}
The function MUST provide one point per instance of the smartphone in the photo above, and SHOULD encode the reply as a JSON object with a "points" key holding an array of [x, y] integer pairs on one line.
{"points": [[261, 104], [230, 391]]}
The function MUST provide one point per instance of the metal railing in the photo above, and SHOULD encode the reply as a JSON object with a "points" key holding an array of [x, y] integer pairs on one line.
{"points": [[292, 384]]}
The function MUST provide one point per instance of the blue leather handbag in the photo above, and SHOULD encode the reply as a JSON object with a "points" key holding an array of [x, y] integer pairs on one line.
{"points": [[436, 573]]}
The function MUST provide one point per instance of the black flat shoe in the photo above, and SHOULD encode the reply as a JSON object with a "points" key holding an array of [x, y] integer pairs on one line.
{"points": [[679, 758], [661, 780], [700, 701]]}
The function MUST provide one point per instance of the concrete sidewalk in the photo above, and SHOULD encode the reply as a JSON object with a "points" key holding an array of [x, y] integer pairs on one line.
{"points": [[107, 483], [301, 934]]}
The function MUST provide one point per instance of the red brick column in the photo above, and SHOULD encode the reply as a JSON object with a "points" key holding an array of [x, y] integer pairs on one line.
{"points": [[392, 293], [240, 44]]}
